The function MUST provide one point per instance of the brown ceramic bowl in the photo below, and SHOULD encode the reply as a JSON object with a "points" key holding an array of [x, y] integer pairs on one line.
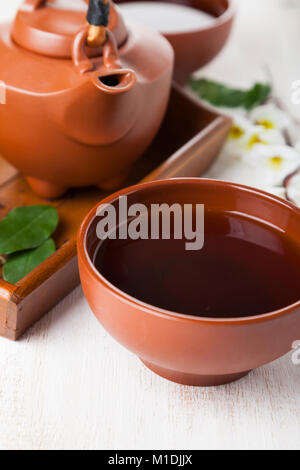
{"points": [[194, 49], [186, 349]]}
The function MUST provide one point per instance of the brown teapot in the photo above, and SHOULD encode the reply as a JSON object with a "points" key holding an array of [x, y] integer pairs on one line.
{"points": [[71, 115]]}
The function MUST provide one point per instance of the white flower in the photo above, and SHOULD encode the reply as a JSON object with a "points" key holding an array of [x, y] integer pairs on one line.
{"points": [[258, 135], [270, 117], [235, 146], [293, 188], [244, 136], [272, 163], [241, 126]]}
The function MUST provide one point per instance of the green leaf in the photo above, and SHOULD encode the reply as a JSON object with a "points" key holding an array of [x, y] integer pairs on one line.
{"points": [[222, 95], [257, 95], [19, 265], [26, 228]]}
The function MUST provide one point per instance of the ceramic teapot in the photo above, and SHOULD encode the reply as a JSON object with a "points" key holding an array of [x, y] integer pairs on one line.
{"points": [[73, 116]]}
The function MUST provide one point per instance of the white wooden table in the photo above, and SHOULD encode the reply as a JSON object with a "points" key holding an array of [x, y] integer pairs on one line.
{"points": [[68, 385]]}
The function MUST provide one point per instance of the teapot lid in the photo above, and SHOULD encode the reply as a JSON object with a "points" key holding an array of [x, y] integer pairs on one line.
{"points": [[48, 27]]}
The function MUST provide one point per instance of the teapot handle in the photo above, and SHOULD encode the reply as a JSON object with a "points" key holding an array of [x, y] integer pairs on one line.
{"points": [[110, 52], [31, 5]]}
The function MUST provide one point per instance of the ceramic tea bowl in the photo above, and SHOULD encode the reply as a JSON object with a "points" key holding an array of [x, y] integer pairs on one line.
{"points": [[191, 350], [195, 49]]}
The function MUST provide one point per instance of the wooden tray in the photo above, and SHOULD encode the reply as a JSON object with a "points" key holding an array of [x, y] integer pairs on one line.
{"points": [[189, 140]]}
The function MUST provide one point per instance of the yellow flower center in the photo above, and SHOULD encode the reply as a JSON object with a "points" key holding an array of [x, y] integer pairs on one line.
{"points": [[276, 162], [236, 132], [255, 139], [266, 124]]}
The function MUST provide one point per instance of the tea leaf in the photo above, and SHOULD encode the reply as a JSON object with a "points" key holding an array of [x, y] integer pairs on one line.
{"points": [[26, 228], [19, 265], [222, 95]]}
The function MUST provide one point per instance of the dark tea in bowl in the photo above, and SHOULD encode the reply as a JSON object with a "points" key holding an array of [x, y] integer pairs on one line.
{"points": [[245, 268], [208, 291]]}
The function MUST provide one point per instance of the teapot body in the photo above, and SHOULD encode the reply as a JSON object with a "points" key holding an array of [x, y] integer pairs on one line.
{"points": [[61, 130]]}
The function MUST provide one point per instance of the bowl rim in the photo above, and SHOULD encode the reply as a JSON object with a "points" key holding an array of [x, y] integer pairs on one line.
{"points": [[157, 311], [227, 16]]}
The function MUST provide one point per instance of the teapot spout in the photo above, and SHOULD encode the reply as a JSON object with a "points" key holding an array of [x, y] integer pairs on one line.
{"points": [[115, 81], [104, 108], [112, 78]]}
